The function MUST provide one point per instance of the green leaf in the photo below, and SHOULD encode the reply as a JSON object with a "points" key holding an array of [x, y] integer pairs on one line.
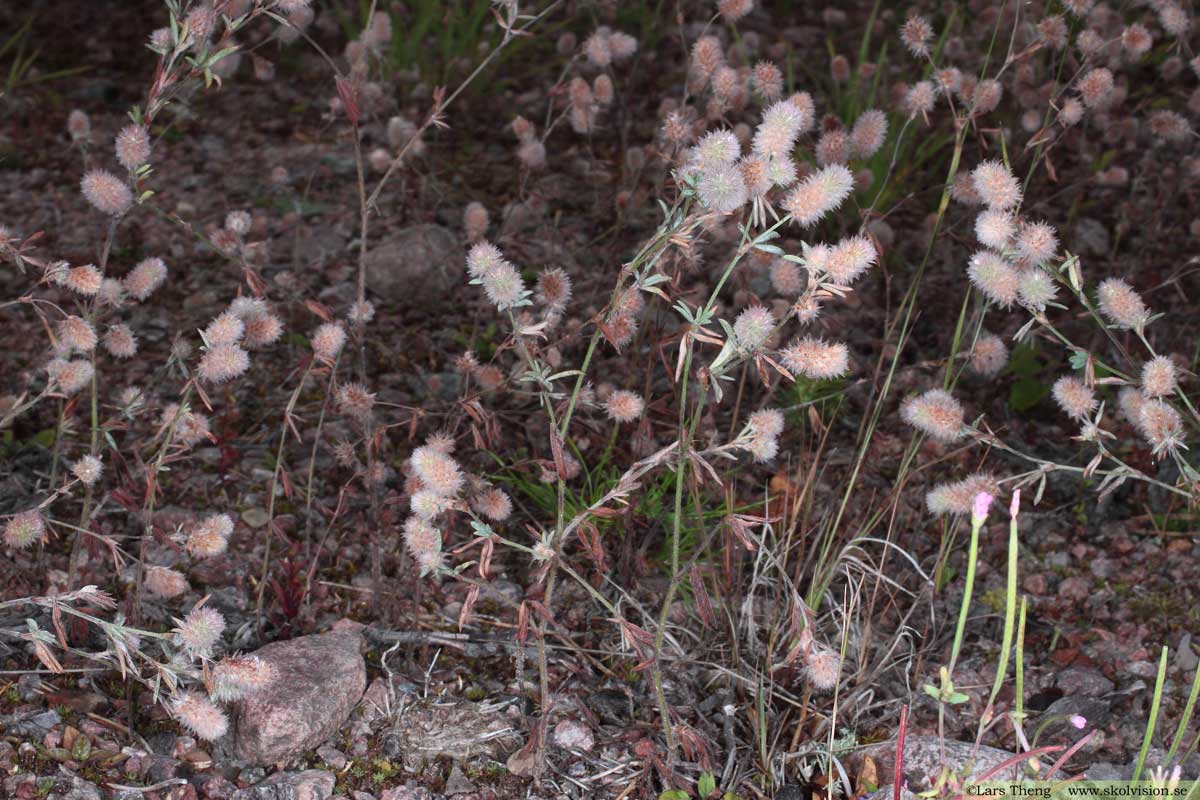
{"points": [[1026, 393], [673, 794], [932, 691], [706, 785]]}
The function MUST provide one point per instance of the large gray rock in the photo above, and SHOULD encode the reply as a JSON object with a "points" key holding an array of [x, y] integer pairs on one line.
{"points": [[923, 761], [416, 265], [319, 680]]}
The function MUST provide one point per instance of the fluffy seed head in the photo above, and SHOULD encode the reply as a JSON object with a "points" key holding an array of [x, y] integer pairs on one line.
{"points": [[328, 340], [262, 330], [782, 123], [715, 149], [733, 10], [989, 356], [916, 34], [1070, 113], [424, 543], [1037, 242], [354, 400], [622, 45], [482, 258], [1158, 377], [106, 192], [238, 222], [766, 422], [624, 406], [870, 129], [752, 327], [987, 96], [1160, 425], [833, 147], [598, 49], [83, 280], [165, 582], [995, 228], [200, 631], [996, 185], [24, 530], [849, 259], [1096, 88], [1173, 18], [707, 55], [823, 668], [1036, 289], [1170, 125], [191, 427], [76, 333], [786, 277], [145, 278], [959, 497], [816, 358], [200, 715], [437, 470], [503, 285], [210, 537], [78, 125], [1074, 397], [133, 146], [70, 376], [935, 413], [226, 328], [767, 81], [532, 154], [994, 277], [475, 221], [427, 505], [1136, 40], [1122, 305], [554, 288], [818, 194], [88, 470], [920, 98], [722, 189], [493, 504], [223, 363]]}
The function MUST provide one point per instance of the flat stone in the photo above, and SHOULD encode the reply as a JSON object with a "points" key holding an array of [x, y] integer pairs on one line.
{"points": [[319, 680], [311, 784], [457, 731], [923, 761], [1083, 681], [415, 265]]}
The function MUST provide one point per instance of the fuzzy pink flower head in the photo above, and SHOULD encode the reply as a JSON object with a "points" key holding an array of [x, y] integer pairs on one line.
{"points": [[767, 81], [106, 192], [191, 427], [354, 400], [707, 55], [83, 280], [427, 505], [818, 194], [1122, 305], [503, 286], [145, 278], [493, 504], [622, 45], [833, 147], [722, 188], [328, 340], [1170, 126], [200, 715], [783, 121], [816, 358], [958, 497], [165, 582], [716, 149], [200, 631], [554, 288], [24, 530], [996, 184], [995, 228], [1158, 377], [532, 154], [935, 413], [1096, 88], [226, 328], [88, 470], [133, 146], [766, 422], [1160, 425], [70, 376], [1037, 242], [482, 258], [475, 221], [870, 131], [79, 126], [1035, 289], [915, 34], [823, 668], [424, 544], [989, 355], [238, 222], [624, 406], [76, 333], [994, 277], [438, 471], [733, 10], [849, 259], [1074, 397], [222, 363], [920, 98], [987, 96], [786, 277], [752, 328], [597, 48], [261, 331]]}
